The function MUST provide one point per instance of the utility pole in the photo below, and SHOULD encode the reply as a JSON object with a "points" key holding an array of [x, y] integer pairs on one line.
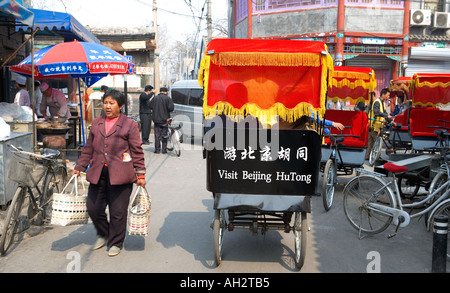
{"points": [[156, 52], [209, 20]]}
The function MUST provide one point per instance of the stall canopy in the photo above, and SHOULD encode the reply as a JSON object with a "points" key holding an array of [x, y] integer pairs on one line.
{"points": [[60, 24], [22, 14], [430, 89], [351, 84], [265, 77]]}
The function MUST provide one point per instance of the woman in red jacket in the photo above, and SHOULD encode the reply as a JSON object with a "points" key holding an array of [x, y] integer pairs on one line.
{"points": [[115, 158]]}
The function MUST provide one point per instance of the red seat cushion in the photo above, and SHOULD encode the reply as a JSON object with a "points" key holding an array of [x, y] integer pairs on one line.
{"points": [[394, 168], [359, 126], [421, 118]]}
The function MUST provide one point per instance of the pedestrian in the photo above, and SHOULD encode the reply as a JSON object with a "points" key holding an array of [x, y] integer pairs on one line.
{"points": [[22, 97], [38, 98], [115, 158], [56, 102], [145, 113], [162, 105], [377, 116]]}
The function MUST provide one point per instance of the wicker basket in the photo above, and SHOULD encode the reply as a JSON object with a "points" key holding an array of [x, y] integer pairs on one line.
{"points": [[139, 213], [25, 170]]}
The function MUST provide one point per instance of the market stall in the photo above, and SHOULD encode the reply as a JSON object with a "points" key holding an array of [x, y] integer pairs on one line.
{"points": [[81, 60]]}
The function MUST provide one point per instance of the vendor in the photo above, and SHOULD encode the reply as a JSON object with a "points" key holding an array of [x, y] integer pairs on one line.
{"points": [[22, 97], [55, 100]]}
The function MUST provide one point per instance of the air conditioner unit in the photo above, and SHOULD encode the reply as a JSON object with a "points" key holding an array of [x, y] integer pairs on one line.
{"points": [[420, 17], [441, 20]]}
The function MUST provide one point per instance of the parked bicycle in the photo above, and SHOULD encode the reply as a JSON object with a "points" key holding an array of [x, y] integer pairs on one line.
{"points": [[38, 176], [174, 136], [371, 206], [389, 136]]}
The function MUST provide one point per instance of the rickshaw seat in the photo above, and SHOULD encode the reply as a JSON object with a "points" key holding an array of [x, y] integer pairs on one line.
{"points": [[402, 119], [421, 118], [359, 126]]}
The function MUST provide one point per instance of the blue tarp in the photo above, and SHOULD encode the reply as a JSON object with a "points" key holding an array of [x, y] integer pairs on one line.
{"points": [[15, 9], [62, 24]]}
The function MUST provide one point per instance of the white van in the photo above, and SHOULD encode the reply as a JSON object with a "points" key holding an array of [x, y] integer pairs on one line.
{"points": [[187, 97]]}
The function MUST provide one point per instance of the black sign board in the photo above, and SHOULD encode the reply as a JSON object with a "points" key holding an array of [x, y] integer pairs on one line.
{"points": [[262, 161]]}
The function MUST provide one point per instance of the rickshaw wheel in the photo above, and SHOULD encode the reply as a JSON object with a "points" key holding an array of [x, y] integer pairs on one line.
{"points": [[300, 229], [328, 185], [219, 225], [375, 152]]}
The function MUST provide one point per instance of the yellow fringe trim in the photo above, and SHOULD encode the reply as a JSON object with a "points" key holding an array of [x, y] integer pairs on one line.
{"points": [[430, 104], [265, 59], [353, 100], [429, 84], [345, 82], [286, 114]]}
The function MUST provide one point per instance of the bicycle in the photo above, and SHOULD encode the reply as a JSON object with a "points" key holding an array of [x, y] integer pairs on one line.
{"points": [[174, 136], [370, 205], [387, 137], [44, 173]]}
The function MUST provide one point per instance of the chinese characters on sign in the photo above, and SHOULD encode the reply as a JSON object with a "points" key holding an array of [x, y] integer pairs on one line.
{"points": [[284, 154], [230, 153]]}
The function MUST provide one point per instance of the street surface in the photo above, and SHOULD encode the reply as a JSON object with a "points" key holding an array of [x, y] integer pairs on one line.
{"points": [[181, 240]]}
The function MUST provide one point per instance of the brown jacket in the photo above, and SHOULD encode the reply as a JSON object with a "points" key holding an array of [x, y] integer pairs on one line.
{"points": [[120, 148]]}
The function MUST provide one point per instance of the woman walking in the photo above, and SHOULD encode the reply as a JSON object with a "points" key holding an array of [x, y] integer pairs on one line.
{"points": [[115, 158]]}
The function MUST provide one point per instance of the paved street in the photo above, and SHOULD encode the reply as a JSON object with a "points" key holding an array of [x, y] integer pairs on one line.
{"points": [[181, 240]]}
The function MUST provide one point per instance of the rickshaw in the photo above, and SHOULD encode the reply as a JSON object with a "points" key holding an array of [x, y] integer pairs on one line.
{"points": [[428, 130], [428, 92], [399, 138], [261, 175], [343, 151]]}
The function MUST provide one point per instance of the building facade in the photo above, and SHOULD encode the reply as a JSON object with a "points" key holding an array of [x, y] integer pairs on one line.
{"points": [[362, 33]]}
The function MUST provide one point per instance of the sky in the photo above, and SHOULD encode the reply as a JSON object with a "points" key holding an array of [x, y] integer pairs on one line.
{"points": [[174, 14]]}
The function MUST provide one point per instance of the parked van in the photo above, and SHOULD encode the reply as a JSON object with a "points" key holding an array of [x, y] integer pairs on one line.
{"points": [[187, 97]]}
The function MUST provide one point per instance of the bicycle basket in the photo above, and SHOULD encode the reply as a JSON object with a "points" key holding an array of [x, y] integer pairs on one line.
{"points": [[25, 170]]}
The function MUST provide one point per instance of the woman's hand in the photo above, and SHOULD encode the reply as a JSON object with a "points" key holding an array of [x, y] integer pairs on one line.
{"points": [[75, 172], [140, 182]]}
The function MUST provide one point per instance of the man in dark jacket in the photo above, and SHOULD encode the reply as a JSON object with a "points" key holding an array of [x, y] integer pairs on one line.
{"points": [[145, 113], [162, 105]]}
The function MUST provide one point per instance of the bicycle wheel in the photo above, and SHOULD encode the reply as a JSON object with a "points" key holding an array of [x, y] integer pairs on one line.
{"points": [[176, 143], [375, 152], [408, 188], [54, 182], [169, 139], [437, 182], [219, 225], [442, 209], [12, 219], [300, 229], [358, 193], [328, 187]]}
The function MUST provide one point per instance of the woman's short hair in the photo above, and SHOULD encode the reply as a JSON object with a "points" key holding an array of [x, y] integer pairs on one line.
{"points": [[115, 95]]}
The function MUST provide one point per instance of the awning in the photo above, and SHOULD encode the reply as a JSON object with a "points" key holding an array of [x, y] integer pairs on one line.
{"points": [[62, 24], [22, 14]]}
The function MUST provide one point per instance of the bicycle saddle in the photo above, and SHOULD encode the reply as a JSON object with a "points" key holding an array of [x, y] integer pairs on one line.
{"points": [[394, 168], [50, 153]]}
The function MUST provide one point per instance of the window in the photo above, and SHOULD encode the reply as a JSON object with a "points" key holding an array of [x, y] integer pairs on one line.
{"points": [[196, 98], [180, 96]]}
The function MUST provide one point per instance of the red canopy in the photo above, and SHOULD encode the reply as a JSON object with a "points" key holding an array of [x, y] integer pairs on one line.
{"points": [[265, 77], [400, 86], [351, 83], [430, 89]]}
